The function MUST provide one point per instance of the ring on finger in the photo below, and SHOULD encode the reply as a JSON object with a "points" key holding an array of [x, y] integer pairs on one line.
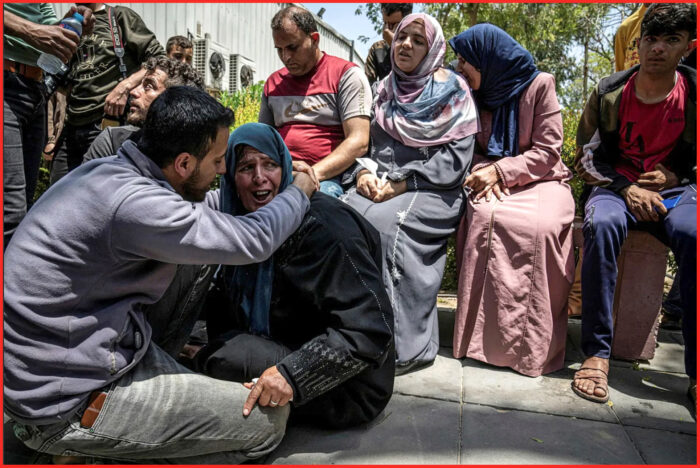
{"points": [[274, 403]]}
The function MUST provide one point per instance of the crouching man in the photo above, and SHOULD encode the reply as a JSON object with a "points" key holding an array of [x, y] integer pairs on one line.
{"points": [[313, 323], [91, 268]]}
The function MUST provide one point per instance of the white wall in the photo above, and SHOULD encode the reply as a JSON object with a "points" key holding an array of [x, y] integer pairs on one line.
{"points": [[243, 28]]}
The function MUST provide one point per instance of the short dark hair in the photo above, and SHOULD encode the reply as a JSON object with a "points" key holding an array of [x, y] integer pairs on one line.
{"points": [[180, 41], [669, 18], [182, 120], [390, 8], [179, 73], [302, 18]]}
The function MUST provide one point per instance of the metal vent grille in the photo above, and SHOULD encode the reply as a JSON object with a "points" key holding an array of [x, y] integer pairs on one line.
{"points": [[239, 64], [199, 59]]}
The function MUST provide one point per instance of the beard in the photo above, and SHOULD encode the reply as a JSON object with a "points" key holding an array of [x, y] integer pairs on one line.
{"points": [[136, 119], [194, 189]]}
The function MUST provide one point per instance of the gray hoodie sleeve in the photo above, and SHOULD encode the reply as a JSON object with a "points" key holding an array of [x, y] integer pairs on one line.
{"points": [[158, 224]]}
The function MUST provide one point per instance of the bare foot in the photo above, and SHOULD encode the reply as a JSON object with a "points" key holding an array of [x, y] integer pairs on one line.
{"points": [[591, 380]]}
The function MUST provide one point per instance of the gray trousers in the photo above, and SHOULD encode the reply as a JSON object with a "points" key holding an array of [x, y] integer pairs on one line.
{"points": [[163, 412], [24, 136]]}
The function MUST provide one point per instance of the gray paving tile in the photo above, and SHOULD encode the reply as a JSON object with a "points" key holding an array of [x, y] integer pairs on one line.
{"points": [[509, 437], [442, 380], [663, 447], [670, 336], [667, 358], [411, 430], [504, 388], [655, 400]]}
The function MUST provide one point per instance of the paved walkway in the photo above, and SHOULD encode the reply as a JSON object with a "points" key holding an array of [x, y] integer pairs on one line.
{"points": [[464, 412]]}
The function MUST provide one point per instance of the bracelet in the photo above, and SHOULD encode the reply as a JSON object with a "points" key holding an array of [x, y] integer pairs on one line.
{"points": [[499, 172]]}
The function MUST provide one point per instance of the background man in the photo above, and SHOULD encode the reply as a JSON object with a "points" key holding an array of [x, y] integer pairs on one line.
{"points": [[29, 29], [88, 274], [319, 103], [378, 63], [161, 73], [101, 81], [179, 48], [627, 40], [636, 144]]}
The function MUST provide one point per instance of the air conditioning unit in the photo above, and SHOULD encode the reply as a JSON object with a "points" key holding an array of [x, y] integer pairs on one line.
{"points": [[242, 72], [212, 61]]}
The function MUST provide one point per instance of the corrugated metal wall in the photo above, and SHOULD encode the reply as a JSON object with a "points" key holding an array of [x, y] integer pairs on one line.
{"points": [[242, 28]]}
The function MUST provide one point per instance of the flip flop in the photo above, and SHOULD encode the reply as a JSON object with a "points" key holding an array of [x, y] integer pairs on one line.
{"points": [[600, 382]]}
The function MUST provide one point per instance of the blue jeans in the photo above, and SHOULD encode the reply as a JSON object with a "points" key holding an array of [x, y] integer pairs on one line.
{"points": [[605, 229], [162, 412], [332, 187], [24, 135]]}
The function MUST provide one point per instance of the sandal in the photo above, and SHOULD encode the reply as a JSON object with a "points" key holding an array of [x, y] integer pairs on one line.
{"points": [[600, 382]]}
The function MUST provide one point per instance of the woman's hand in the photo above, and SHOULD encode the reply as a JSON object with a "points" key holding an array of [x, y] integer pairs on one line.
{"points": [[301, 166], [499, 190], [271, 389], [482, 182], [390, 190], [367, 184]]}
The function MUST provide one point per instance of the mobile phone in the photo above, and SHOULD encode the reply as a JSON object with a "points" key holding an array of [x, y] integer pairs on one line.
{"points": [[671, 202]]}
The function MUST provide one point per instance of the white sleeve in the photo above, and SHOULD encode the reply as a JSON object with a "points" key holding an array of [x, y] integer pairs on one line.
{"points": [[354, 95]]}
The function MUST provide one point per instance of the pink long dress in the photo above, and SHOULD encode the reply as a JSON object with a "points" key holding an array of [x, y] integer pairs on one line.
{"points": [[515, 257]]}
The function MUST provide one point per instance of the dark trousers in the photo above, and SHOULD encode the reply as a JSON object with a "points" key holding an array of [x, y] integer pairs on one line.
{"points": [[239, 356], [173, 316], [24, 136], [605, 229], [72, 146], [673, 305]]}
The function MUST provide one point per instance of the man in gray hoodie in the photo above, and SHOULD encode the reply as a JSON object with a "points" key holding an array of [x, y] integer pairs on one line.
{"points": [[100, 259]]}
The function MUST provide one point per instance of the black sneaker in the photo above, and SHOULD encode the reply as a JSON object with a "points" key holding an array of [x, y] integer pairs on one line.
{"points": [[411, 366]]}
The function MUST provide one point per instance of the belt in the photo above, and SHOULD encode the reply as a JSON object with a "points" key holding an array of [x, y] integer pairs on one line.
{"points": [[95, 403], [28, 71]]}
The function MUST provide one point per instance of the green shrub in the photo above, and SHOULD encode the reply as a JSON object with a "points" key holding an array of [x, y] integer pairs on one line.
{"points": [[568, 153], [449, 278], [245, 103], [42, 183]]}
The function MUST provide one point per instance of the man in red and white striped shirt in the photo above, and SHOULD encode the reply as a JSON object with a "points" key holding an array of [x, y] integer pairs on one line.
{"points": [[319, 103]]}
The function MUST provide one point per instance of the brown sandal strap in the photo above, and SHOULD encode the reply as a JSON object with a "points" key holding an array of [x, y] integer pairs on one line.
{"points": [[593, 368]]}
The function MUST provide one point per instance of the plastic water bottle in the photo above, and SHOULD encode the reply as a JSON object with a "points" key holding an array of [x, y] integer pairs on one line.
{"points": [[53, 65]]}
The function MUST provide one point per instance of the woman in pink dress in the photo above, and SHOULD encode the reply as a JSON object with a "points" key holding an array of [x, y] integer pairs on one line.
{"points": [[514, 244]]}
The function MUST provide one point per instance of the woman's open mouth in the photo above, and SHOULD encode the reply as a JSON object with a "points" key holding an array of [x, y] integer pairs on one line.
{"points": [[262, 195]]}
